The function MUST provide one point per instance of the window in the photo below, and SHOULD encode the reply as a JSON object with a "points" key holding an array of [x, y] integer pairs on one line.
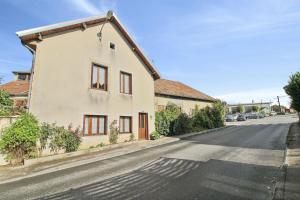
{"points": [[125, 83], [99, 77], [112, 45], [22, 77], [95, 125], [125, 124]]}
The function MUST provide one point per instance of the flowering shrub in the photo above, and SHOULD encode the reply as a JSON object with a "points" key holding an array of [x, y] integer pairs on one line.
{"points": [[19, 140]]}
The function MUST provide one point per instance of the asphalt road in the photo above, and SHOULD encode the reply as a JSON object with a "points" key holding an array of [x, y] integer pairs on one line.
{"points": [[240, 162]]}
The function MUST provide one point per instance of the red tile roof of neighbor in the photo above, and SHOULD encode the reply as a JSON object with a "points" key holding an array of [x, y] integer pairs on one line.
{"points": [[177, 89], [16, 88]]}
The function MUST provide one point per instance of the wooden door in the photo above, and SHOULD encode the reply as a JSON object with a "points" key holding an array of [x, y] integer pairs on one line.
{"points": [[143, 126]]}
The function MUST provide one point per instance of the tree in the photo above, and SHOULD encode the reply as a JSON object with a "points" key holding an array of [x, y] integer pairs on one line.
{"points": [[5, 99], [293, 90], [1, 79], [255, 108], [240, 109], [276, 108]]}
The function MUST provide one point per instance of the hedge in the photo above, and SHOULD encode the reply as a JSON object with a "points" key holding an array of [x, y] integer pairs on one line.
{"points": [[172, 121]]}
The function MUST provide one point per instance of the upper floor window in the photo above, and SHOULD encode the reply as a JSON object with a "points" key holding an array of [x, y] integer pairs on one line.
{"points": [[99, 77], [112, 45], [23, 77], [95, 125], [126, 83]]}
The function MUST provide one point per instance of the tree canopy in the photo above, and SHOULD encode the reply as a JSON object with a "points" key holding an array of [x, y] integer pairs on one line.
{"points": [[240, 109], [5, 99], [293, 90], [255, 108]]}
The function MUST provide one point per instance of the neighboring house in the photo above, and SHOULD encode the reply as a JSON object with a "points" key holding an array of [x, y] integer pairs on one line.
{"points": [[19, 88], [89, 73], [182, 95], [264, 106]]}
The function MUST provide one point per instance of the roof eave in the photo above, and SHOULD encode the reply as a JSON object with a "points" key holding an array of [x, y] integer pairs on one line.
{"points": [[33, 34], [185, 97]]}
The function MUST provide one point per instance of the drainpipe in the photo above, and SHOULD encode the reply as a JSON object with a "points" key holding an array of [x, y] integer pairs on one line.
{"points": [[31, 74]]}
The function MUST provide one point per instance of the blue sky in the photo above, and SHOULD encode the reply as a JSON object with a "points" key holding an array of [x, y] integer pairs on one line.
{"points": [[235, 50]]}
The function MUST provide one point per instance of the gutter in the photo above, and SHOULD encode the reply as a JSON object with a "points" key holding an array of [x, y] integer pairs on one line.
{"points": [[32, 72]]}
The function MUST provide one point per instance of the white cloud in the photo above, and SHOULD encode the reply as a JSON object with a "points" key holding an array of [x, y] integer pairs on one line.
{"points": [[90, 8], [11, 62], [266, 94], [86, 6], [222, 22]]}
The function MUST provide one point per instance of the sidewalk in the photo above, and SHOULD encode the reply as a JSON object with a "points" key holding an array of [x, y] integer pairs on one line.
{"points": [[292, 184], [9, 174]]}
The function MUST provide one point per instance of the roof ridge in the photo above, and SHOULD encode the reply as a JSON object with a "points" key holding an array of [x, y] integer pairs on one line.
{"points": [[177, 88]]}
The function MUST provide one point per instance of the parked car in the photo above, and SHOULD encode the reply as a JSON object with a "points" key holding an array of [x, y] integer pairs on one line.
{"points": [[273, 113], [253, 116], [229, 118], [235, 116], [241, 118], [247, 115], [281, 113]]}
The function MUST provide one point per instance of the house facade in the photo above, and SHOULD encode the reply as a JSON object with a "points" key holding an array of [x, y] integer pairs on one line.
{"points": [[90, 73], [186, 97]]}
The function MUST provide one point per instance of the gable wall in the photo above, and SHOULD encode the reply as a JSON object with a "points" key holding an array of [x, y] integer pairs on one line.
{"points": [[61, 84], [186, 105]]}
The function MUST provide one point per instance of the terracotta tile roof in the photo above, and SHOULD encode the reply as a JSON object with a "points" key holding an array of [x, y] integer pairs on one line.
{"points": [[16, 88], [177, 89]]}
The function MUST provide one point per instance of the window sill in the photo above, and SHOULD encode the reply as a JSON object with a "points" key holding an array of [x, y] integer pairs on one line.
{"points": [[98, 89], [125, 94], [125, 132], [94, 135]]}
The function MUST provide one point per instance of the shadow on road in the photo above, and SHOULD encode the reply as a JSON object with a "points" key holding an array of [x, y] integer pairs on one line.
{"points": [[168, 178]]}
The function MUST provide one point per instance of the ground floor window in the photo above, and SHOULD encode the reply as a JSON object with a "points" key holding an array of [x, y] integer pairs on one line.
{"points": [[125, 124], [95, 125]]}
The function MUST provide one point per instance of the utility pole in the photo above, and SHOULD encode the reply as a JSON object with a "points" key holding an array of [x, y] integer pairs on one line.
{"points": [[279, 103]]}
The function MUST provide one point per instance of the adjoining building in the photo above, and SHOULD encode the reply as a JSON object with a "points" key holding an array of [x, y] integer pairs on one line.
{"points": [[248, 107], [186, 97], [18, 89]]}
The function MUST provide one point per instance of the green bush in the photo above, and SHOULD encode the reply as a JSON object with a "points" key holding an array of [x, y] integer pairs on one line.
{"points": [[183, 124], [101, 144], [56, 139], [19, 140], [5, 111], [165, 119], [114, 132], [131, 137], [202, 120], [172, 121], [154, 135], [218, 113], [72, 139], [255, 108], [5, 99], [46, 130], [59, 138]]}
